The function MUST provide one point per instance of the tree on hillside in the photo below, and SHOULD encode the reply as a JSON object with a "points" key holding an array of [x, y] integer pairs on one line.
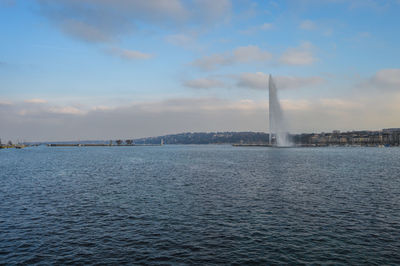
{"points": [[119, 142], [129, 141]]}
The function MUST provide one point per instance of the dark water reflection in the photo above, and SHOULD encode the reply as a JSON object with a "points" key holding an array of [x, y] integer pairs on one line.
{"points": [[200, 205]]}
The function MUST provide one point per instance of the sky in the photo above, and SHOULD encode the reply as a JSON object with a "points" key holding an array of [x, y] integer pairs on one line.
{"points": [[108, 69]]}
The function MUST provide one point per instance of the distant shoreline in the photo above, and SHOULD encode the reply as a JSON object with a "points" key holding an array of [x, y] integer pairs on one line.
{"points": [[99, 145], [366, 138]]}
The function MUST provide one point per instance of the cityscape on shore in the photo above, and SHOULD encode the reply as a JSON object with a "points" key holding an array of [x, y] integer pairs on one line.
{"points": [[388, 137], [384, 137]]}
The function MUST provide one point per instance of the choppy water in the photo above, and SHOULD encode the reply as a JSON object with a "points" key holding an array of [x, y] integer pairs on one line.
{"points": [[200, 205]]}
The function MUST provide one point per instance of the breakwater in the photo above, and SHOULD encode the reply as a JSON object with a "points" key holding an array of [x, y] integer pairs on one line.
{"points": [[98, 145], [18, 146], [271, 145]]}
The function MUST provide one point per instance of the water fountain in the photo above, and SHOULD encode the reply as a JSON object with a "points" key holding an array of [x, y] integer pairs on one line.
{"points": [[278, 131]]}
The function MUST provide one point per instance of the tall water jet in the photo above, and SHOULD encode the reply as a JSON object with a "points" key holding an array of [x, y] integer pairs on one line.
{"points": [[277, 125]]}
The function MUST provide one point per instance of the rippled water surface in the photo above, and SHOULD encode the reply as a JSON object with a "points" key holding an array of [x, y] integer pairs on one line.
{"points": [[200, 205]]}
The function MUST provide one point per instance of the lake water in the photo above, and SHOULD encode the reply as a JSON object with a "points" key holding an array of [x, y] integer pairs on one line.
{"points": [[200, 205]]}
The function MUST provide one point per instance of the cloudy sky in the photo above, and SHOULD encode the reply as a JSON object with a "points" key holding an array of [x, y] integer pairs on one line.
{"points": [[107, 69]]}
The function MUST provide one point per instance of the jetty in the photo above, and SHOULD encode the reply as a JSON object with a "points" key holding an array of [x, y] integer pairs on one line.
{"points": [[253, 145], [272, 145], [98, 145], [16, 146]]}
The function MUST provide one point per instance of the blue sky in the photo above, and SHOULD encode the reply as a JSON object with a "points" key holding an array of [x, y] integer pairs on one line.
{"points": [[74, 69]]}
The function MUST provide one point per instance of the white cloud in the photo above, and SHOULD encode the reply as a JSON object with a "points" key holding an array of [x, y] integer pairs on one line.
{"points": [[31, 122], [340, 104], [129, 54], [256, 81], [266, 26], [2, 102], [187, 40], [204, 83], [179, 39], [106, 21], [213, 11], [84, 31], [35, 100], [251, 53], [296, 105], [212, 61], [307, 25], [291, 82], [102, 108], [385, 79], [245, 54], [67, 110], [323, 28], [49, 122], [259, 81], [302, 55]]}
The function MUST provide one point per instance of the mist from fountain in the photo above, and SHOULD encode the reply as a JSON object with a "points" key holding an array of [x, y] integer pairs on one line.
{"points": [[277, 124]]}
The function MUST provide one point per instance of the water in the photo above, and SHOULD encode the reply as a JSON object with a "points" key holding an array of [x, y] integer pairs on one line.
{"points": [[200, 205]]}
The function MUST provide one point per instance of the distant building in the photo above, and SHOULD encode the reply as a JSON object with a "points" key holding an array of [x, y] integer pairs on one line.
{"points": [[390, 130]]}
